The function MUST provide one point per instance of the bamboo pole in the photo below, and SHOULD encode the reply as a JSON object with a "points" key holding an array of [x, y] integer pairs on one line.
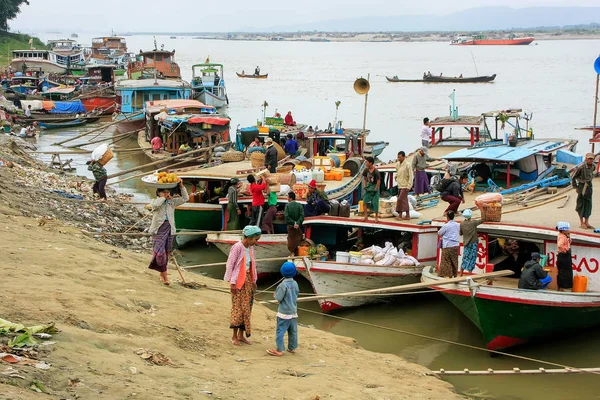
{"points": [[412, 286], [187, 233], [145, 173], [225, 262], [517, 371], [204, 149], [112, 138], [93, 130]]}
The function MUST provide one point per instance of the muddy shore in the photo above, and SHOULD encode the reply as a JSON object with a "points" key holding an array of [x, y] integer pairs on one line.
{"points": [[124, 335]]}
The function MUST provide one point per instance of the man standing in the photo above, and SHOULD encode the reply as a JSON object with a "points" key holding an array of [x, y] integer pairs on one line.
{"points": [[294, 216], [404, 179], [419, 164], [317, 202], [270, 156], [371, 183], [452, 192], [582, 182], [426, 133]]}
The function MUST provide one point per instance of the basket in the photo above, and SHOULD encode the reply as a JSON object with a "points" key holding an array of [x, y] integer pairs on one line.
{"points": [[285, 169], [491, 212], [232, 156], [257, 159], [150, 180], [300, 191], [106, 157]]}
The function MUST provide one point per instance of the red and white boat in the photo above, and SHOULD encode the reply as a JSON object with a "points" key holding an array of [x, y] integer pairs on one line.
{"points": [[105, 105], [480, 40]]}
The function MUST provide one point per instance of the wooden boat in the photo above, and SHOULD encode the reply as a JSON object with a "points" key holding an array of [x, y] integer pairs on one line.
{"points": [[63, 55], [265, 76], [480, 40], [446, 79], [62, 125], [375, 148], [154, 62], [104, 105], [208, 84]]}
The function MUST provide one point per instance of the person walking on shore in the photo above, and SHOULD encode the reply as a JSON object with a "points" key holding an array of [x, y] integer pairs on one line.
{"points": [[448, 234], [287, 312], [564, 262], [241, 274], [426, 133], [582, 182], [163, 228], [371, 183], [294, 216], [404, 179], [468, 230], [101, 176], [419, 164]]}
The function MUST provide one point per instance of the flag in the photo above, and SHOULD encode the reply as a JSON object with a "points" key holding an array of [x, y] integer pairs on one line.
{"points": [[30, 40], [452, 95]]}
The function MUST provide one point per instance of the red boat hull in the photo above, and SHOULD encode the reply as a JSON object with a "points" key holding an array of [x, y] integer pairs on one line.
{"points": [[104, 103], [496, 42]]}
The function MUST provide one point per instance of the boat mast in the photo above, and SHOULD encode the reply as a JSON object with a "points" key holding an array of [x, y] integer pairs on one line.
{"points": [[597, 68]]}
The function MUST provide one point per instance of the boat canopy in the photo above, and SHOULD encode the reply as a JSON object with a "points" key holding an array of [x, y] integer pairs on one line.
{"points": [[502, 153], [153, 107], [60, 90]]}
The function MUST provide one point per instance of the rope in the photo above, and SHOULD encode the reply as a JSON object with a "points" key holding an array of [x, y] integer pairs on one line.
{"points": [[419, 335]]}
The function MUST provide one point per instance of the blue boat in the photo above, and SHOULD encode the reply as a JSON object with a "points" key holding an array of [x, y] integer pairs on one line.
{"points": [[132, 95], [62, 125], [208, 84]]}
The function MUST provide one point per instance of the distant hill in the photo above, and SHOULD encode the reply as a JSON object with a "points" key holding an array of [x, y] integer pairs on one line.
{"points": [[15, 41], [473, 19]]}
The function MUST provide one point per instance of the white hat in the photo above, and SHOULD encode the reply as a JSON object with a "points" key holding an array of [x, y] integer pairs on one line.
{"points": [[269, 140]]}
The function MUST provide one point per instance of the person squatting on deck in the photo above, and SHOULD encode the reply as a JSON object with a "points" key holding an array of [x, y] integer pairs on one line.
{"points": [[258, 199], [371, 183], [241, 275], [294, 216], [317, 202], [449, 243], [287, 313], [582, 182], [157, 144], [452, 193], [564, 261], [163, 228], [419, 164], [468, 230], [404, 179], [533, 276], [100, 176]]}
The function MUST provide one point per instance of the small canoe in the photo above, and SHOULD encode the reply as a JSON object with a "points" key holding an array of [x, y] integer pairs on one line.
{"points": [[252, 76], [62, 125], [446, 79]]}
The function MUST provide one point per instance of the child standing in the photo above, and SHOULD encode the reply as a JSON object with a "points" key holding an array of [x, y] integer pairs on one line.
{"points": [[287, 313]]}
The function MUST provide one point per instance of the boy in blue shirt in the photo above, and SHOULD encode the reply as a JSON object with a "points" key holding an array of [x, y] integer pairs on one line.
{"points": [[287, 313]]}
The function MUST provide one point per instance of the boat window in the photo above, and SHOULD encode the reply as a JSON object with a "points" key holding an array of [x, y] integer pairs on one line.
{"points": [[149, 60], [138, 102], [159, 57], [165, 96], [156, 97], [146, 97]]}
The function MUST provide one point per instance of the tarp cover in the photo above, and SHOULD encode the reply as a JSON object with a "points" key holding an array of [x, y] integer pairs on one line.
{"points": [[208, 120], [68, 107], [36, 105]]}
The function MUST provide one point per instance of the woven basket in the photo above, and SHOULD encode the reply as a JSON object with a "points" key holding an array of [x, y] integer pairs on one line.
{"points": [[257, 159], [232, 156], [106, 157], [491, 212]]}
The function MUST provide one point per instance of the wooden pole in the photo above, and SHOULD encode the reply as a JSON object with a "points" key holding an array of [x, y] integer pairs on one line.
{"points": [[517, 371], [595, 109], [187, 233], [412, 286], [92, 131], [225, 262], [179, 270], [145, 173], [204, 149]]}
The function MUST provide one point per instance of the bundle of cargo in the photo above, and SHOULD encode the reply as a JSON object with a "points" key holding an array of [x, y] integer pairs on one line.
{"points": [[490, 205]]}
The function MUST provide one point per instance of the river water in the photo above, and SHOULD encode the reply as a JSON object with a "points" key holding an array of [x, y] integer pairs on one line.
{"points": [[554, 80]]}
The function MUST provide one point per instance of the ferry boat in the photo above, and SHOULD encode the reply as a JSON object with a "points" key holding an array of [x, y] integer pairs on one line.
{"points": [[480, 40], [110, 51], [208, 84], [160, 63], [63, 55]]}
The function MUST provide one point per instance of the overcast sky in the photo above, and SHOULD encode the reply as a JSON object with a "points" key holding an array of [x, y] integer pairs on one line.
{"points": [[229, 15]]}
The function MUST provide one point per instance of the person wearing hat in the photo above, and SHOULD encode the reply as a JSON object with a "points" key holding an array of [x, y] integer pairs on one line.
{"points": [[317, 202], [287, 312], [270, 156], [582, 182], [533, 276], [241, 274], [419, 164], [564, 261], [233, 219], [468, 230], [291, 145]]}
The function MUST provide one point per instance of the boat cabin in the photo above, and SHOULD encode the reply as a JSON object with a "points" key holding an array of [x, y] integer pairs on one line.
{"points": [[132, 95], [59, 93], [154, 63], [104, 47], [208, 78]]}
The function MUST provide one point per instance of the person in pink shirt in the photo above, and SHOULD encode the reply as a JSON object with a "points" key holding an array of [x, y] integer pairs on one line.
{"points": [[241, 275], [157, 144]]}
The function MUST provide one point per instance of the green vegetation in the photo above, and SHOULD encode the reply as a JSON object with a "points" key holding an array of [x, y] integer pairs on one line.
{"points": [[15, 41], [8, 10]]}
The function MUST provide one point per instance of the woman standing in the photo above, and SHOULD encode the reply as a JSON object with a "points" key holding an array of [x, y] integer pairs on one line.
{"points": [[241, 275], [163, 228], [564, 263], [449, 244], [468, 230], [233, 220]]}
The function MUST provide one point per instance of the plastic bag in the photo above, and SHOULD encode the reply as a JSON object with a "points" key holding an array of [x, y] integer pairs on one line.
{"points": [[99, 152]]}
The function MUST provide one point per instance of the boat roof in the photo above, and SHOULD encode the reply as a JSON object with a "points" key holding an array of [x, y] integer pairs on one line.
{"points": [[474, 120], [157, 51], [355, 222], [144, 83], [60, 90], [159, 105], [207, 65], [502, 153], [193, 119]]}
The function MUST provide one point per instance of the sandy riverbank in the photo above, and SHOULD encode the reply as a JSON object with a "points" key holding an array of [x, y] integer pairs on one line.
{"points": [[107, 305]]}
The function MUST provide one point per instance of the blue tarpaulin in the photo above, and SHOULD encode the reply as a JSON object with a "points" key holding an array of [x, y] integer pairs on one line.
{"points": [[68, 107]]}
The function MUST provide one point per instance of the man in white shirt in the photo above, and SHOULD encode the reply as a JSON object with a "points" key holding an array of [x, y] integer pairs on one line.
{"points": [[426, 133], [28, 111]]}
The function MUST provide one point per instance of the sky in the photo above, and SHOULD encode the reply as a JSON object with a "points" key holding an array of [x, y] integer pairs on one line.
{"points": [[230, 15]]}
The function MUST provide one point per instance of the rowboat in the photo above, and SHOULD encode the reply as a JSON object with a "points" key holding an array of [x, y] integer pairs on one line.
{"points": [[445, 79], [62, 125], [375, 148], [265, 76]]}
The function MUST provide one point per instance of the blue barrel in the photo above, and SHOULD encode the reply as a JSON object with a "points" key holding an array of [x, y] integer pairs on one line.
{"points": [[335, 159]]}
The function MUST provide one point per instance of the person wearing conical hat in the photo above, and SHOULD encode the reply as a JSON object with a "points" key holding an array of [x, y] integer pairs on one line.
{"points": [[286, 295]]}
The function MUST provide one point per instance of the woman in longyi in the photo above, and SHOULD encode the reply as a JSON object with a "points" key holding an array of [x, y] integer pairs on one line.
{"points": [[241, 275]]}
